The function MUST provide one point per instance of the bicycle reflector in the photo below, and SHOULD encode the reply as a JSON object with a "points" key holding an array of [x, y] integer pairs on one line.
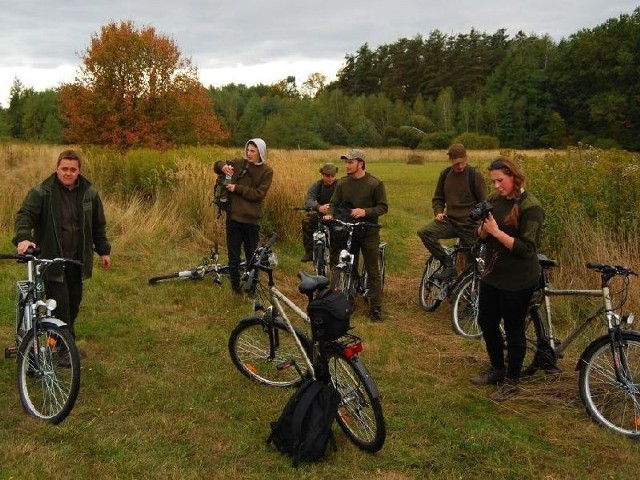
{"points": [[353, 349], [629, 318]]}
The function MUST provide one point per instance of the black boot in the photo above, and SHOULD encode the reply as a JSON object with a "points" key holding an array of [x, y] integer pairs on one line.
{"points": [[448, 272]]}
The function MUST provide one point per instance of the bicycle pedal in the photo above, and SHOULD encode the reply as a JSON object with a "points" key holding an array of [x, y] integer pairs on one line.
{"points": [[285, 364], [10, 352]]}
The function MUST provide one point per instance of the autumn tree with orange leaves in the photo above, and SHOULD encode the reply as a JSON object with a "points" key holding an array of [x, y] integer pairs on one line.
{"points": [[135, 90]]}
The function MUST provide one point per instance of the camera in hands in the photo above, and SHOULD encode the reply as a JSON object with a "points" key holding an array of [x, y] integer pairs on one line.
{"points": [[481, 211]]}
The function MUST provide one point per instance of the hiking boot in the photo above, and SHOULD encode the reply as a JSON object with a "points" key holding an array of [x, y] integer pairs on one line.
{"points": [[447, 273], [507, 390], [307, 257], [493, 376], [375, 314]]}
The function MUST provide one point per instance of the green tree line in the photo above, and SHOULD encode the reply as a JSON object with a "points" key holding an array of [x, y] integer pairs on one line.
{"points": [[487, 90]]}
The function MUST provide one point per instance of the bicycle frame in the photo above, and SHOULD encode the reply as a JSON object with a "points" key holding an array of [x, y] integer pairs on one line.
{"points": [[276, 296]]}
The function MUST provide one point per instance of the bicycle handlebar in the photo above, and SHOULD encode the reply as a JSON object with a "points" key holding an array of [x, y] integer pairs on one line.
{"points": [[350, 225], [28, 257], [611, 270]]}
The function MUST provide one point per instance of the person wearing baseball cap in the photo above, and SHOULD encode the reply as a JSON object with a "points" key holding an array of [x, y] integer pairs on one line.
{"points": [[317, 202], [362, 197], [460, 187]]}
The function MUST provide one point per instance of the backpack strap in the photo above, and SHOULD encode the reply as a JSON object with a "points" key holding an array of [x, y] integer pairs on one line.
{"points": [[313, 388]]}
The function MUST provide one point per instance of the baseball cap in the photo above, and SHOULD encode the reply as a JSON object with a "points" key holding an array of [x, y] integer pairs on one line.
{"points": [[354, 153]]}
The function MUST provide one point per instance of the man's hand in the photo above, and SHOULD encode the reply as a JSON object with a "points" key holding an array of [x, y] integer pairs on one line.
{"points": [[358, 213], [323, 209], [106, 261], [441, 217], [24, 245]]}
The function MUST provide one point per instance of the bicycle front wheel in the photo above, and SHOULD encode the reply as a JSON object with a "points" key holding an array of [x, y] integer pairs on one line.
{"points": [[319, 264], [266, 352], [430, 288], [464, 311], [610, 381], [360, 412], [48, 372], [342, 281]]}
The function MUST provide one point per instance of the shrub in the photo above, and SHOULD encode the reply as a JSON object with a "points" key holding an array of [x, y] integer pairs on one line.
{"points": [[475, 141]]}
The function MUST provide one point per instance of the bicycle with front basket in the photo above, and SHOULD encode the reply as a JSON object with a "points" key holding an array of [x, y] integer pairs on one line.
{"points": [[48, 362], [269, 349], [210, 266], [609, 378]]}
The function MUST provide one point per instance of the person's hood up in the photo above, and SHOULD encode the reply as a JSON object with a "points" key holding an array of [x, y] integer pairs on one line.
{"points": [[262, 149]]}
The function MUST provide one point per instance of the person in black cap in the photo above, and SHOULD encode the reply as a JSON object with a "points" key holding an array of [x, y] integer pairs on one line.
{"points": [[317, 200], [460, 187], [363, 198]]}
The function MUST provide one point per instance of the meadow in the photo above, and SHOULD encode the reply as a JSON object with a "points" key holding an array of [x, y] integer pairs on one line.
{"points": [[160, 397]]}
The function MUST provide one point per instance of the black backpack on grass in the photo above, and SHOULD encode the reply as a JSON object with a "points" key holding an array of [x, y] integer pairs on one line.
{"points": [[303, 430]]}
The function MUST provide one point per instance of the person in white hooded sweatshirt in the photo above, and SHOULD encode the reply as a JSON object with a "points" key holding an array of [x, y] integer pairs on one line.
{"points": [[250, 181]]}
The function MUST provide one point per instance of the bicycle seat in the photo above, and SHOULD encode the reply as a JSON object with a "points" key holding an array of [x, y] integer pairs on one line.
{"points": [[311, 283], [546, 262]]}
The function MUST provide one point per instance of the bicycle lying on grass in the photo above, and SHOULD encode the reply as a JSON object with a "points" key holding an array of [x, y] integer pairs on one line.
{"points": [[210, 266], [609, 367], [46, 354], [347, 276], [269, 349]]}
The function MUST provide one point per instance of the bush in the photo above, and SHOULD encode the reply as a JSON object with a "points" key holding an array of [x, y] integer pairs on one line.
{"points": [[436, 141], [475, 141]]}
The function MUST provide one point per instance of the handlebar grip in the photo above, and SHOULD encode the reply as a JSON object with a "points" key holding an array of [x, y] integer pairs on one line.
{"points": [[9, 256], [271, 241]]}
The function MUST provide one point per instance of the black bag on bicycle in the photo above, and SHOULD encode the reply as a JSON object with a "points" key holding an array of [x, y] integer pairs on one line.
{"points": [[303, 430], [329, 314]]}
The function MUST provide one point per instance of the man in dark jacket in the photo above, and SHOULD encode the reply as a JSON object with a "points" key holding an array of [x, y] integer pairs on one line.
{"points": [[460, 187], [64, 217], [249, 182], [362, 197], [317, 200]]}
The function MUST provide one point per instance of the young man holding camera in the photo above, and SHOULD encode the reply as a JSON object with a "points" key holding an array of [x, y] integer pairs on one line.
{"points": [[459, 188]]}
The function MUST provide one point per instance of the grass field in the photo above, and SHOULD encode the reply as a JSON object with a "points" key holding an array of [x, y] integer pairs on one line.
{"points": [[160, 397]]}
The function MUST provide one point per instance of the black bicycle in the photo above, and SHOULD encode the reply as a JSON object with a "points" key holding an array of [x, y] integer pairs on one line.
{"points": [[210, 266], [321, 244], [269, 349], [434, 289], [348, 276], [45, 351]]}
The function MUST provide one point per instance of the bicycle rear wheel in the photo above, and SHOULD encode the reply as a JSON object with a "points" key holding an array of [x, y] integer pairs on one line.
{"points": [[382, 262], [464, 311], [612, 395], [430, 288], [360, 412], [267, 352], [49, 384]]}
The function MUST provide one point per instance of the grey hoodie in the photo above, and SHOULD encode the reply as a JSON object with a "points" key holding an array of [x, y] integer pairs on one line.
{"points": [[262, 149]]}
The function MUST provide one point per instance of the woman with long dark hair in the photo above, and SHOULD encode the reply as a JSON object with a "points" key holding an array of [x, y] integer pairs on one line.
{"points": [[511, 232]]}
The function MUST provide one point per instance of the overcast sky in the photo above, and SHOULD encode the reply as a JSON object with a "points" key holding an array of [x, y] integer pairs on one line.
{"points": [[251, 42]]}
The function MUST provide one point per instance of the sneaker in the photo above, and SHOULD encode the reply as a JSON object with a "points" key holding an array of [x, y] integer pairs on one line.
{"points": [[493, 376], [307, 257], [375, 314], [446, 274], [507, 390]]}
